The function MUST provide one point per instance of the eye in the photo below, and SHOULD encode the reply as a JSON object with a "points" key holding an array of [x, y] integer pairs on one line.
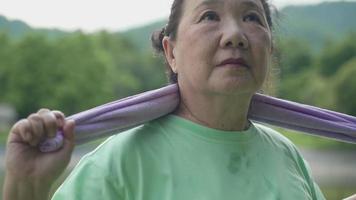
{"points": [[252, 17], [209, 16]]}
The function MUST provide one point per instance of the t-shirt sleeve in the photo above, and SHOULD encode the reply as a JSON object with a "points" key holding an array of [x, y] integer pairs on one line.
{"points": [[105, 173], [302, 166], [313, 186], [319, 195], [88, 181]]}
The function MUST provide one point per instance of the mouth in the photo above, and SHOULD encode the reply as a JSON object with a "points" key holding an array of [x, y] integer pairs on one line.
{"points": [[234, 62]]}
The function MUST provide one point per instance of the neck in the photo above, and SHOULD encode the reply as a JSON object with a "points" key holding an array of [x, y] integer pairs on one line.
{"points": [[216, 111]]}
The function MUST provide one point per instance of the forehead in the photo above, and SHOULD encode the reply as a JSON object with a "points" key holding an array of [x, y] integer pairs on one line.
{"points": [[191, 5]]}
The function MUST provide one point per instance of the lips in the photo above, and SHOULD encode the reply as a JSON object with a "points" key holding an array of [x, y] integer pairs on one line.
{"points": [[238, 62]]}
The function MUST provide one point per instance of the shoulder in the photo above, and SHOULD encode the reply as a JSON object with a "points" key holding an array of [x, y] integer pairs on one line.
{"points": [[276, 140], [289, 153], [127, 143], [131, 146], [272, 135], [107, 169], [281, 145]]}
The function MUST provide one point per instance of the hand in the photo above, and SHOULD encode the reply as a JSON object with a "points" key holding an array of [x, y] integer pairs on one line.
{"points": [[24, 162]]}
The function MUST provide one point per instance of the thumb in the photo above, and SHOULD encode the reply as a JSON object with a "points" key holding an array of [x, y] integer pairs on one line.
{"points": [[68, 133]]}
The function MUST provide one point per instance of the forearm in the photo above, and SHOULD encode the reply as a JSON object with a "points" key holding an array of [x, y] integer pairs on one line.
{"points": [[25, 189]]}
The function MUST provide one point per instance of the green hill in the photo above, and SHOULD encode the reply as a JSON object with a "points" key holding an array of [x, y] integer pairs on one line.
{"points": [[316, 24], [17, 29], [141, 36]]}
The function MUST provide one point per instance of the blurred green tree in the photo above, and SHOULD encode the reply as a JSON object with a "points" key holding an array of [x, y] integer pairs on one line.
{"points": [[6, 62], [345, 87], [309, 88], [335, 54], [75, 72], [26, 79], [294, 56], [81, 75]]}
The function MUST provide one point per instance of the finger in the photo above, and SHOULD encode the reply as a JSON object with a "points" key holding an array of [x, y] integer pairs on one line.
{"points": [[15, 129], [43, 110], [38, 130], [23, 129], [60, 118], [50, 123]]}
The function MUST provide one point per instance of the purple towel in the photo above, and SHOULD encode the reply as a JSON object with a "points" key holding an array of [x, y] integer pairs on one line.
{"points": [[123, 114]]}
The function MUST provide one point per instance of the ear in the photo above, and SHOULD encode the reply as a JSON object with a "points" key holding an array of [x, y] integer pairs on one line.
{"points": [[169, 52], [272, 48]]}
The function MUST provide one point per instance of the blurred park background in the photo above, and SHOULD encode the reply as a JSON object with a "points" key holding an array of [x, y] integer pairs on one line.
{"points": [[315, 51]]}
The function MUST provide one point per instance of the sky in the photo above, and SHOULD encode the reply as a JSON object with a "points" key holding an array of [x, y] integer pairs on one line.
{"points": [[94, 15]]}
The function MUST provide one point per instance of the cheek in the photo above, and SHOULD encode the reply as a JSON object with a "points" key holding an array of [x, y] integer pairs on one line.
{"points": [[201, 44], [260, 42], [196, 48]]}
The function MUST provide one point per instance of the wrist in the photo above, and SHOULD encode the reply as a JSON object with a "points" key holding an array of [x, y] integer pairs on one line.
{"points": [[16, 188]]}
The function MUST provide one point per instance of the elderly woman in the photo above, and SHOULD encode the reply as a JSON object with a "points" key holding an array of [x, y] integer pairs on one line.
{"points": [[218, 52]]}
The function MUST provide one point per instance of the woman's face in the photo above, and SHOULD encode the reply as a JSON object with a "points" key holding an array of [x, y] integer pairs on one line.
{"points": [[222, 46]]}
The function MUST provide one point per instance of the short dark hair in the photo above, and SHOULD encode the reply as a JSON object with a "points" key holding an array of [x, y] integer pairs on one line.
{"points": [[172, 27]]}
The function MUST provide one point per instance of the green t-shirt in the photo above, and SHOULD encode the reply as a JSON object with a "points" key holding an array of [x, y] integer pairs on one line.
{"points": [[175, 159]]}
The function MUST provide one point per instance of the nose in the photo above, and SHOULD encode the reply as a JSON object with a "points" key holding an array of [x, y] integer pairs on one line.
{"points": [[233, 37]]}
